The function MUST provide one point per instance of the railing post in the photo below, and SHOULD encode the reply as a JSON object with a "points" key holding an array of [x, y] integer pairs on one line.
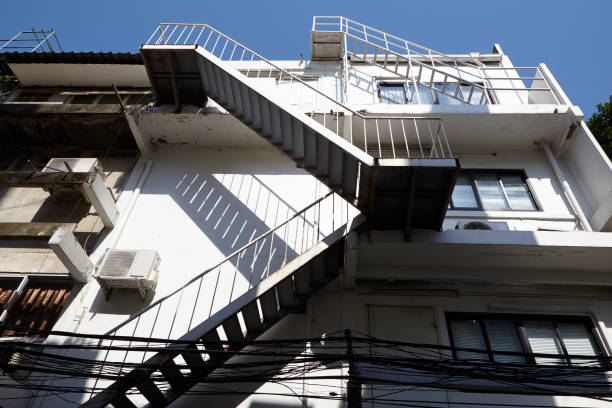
{"points": [[353, 386]]}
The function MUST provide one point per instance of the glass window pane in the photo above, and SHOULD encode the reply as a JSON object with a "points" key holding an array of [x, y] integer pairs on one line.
{"points": [[463, 194], [392, 93], [543, 339], [504, 337], [423, 95], [468, 334], [445, 98], [491, 193], [578, 340], [517, 193]]}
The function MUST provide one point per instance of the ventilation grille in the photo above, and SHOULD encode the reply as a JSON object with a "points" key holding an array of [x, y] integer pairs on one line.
{"points": [[118, 263]]}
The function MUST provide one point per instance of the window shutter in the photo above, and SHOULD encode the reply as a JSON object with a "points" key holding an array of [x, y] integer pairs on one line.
{"points": [[503, 337], [543, 339], [578, 340], [468, 334]]}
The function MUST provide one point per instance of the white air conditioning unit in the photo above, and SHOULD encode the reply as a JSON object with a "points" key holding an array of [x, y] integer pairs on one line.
{"points": [[128, 269], [483, 225]]}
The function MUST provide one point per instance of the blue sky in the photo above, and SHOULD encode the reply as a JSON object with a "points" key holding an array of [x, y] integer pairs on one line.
{"points": [[573, 38]]}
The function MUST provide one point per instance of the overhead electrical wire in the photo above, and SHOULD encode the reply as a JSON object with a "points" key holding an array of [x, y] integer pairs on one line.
{"points": [[284, 362]]}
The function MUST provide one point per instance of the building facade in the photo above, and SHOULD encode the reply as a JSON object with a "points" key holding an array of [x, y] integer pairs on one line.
{"points": [[380, 225]]}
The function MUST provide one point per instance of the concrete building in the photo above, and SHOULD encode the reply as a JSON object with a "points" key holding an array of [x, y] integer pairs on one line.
{"points": [[381, 225]]}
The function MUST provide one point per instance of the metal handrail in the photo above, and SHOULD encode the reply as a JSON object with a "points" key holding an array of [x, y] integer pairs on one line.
{"points": [[38, 41], [300, 233], [226, 259], [366, 34], [227, 49]]}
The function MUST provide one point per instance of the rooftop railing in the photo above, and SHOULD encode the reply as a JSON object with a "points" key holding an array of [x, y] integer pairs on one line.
{"points": [[492, 84], [31, 41]]}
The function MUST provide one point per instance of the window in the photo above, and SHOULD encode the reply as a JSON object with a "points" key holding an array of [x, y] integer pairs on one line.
{"points": [[492, 190], [533, 335], [392, 93], [31, 303], [422, 94]]}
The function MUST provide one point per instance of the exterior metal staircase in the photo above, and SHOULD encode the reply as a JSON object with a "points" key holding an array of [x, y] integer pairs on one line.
{"points": [[472, 83], [254, 288], [398, 163]]}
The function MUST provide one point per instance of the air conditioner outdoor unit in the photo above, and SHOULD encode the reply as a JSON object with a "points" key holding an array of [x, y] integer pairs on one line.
{"points": [[128, 269], [94, 191], [483, 225], [73, 164]]}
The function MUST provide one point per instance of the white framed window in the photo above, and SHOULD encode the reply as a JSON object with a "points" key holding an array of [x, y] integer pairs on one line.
{"points": [[493, 190], [526, 339], [392, 93]]}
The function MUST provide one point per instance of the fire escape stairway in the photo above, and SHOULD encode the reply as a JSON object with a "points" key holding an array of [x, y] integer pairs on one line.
{"points": [[168, 374], [414, 192]]}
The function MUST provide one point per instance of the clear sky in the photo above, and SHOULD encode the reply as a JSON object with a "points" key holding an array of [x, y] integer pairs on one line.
{"points": [[574, 38]]}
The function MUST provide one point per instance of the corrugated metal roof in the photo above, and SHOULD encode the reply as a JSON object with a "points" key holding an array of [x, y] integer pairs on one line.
{"points": [[125, 58]]}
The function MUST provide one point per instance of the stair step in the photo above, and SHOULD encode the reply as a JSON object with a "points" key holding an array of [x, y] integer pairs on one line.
{"points": [[255, 110], [227, 89], [219, 84], [286, 295], [202, 66], [252, 320], [317, 272], [286, 131], [194, 360], [210, 79], [322, 156], [232, 329], [366, 185], [301, 281], [310, 148], [349, 176], [246, 104], [238, 109], [275, 118], [173, 375], [266, 125], [122, 401], [336, 159], [297, 131], [269, 308], [150, 391]]}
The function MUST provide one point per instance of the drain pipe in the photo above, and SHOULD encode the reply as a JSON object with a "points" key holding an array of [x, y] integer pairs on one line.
{"points": [[566, 188], [118, 230]]}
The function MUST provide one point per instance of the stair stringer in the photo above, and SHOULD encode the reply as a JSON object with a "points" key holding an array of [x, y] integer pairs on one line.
{"points": [[115, 393]]}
